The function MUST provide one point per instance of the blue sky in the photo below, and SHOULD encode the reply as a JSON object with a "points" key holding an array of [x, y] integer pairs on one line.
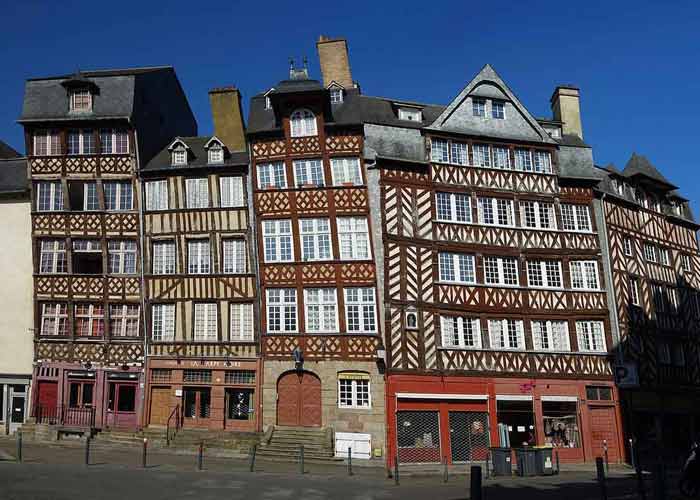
{"points": [[636, 62]]}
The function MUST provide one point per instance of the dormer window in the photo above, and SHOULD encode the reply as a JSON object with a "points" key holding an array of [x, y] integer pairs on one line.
{"points": [[303, 123], [410, 114], [216, 154], [179, 157], [81, 100], [336, 95], [268, 102]]}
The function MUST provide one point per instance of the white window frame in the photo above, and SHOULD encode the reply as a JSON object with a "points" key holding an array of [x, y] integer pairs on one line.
{"points": [[650, 253], [353, 238], [459, 153], [234, 256], [114, 134], [80, 93], [51, 143], [635, 296], [92, 317], [178, 156], [123, 314], [454, 213], [523, 160], [547, 272], [121, 188], [52, 254], [481, 155], [197, 192], [336, 95], [309, 173], [479, 107], [163, 322], [501, 153], [501, 271], [500, 336], [215, 155], [322, 303], [91, 200], [627, 246], [686, 263], [346, 171], [199, 256], [456, 338], [664, 256], [500, 105], [439, 150], [157, 195], [315, 236], [231, 191], [302, 123], [206, 322], [272, 175], [578, 220], [277, 235], [493, 204], [550, 335], [366, 309], [287, 308], [354, 392], [241, 322], [584, 275], [451, 270], [164, 259], [57, 319], [122, 256], [54, 198], [542, 161], [591, 336], [540, 210]]}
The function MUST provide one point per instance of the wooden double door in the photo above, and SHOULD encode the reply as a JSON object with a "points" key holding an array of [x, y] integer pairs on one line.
{"points": [[299, 400]]}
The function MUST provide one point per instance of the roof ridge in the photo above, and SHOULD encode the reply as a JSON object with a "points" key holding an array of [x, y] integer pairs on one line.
{"points": [[105, 72]]}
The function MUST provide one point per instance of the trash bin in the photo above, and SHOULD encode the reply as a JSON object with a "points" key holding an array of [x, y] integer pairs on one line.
{"points": [[501, 458], [527, 461], [545, 466]]}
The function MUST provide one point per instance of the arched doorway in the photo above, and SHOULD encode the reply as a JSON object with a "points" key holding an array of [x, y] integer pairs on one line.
{"points": [[299, 399]]}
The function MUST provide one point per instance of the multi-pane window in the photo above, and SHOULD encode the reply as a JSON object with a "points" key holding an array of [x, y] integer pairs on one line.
{"points": [[164, 257], [114, 141], [457, 267], [440, 150], [197, 192], [231, 191], [308, 173], [90, 200], [206, 322], [89, 320], [538, 215], [575, 217], [506, 334], [179, 156], [671, 297], [241, 319], [47, 143], [460, 153], [346, 171], [321, 310], [302, 123], [281, 310], [634, 291], [49, 196], [215, 154], [453, 207], [157, 195], [336, 95], [52, 258], [80, 100], [498, 109], [87, 257], [460, 332], [81, 142], [353, 238], [360, 310], [544, 273], [591, 336], [500, 271], [272, 175], [523, 160], [627, 246], [234, 255], [501, 157], [315, 239], [550, 335], [121, 256], [353, 391], [124, 320], [496, 212], [119, 195], [277, 240], [478, 106], [163, 322], [664, 257], [198, 256], [54, 319], [482, 155], [686, 264], [543, 162], [584, 275], [650, 253]]}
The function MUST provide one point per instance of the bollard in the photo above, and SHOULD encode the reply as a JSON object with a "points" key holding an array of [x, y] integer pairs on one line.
{"points": [[87, 451], [143, 456], [632, 457], [475, 490], [605, 453], [600, 476], [200, 455], [444, 470], [396, 470], [19, 446], [301, 459], [349, 461], [659, 482], [251, 464], [556, 456]]}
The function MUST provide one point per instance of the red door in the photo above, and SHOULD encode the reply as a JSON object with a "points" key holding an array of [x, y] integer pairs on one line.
{"points": [[299, 400], [46, 401], [603, 428]]}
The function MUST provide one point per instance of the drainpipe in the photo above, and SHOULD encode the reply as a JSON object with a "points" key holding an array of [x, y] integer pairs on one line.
{"points": [[142, 282]]}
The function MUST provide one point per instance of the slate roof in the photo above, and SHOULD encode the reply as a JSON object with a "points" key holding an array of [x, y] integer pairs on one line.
{"points": [[197, 157], [7, 151], [13, 176], [640, 165]]}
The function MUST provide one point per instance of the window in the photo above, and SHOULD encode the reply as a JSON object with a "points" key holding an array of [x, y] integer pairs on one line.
{"points": [[315, 236], [346, 171], [87, 257], [453, 207], [157, 195], [197, 376], [122, 257], [550, 335], [80, 100], [482, 155], [198, 256], [124, 320], [594, 393], [457, 267], [584, 275], [272, 175], [89, 320], [52, 257], [543, 162], [277, 240], [163, 322], [650, 253], [302, 123], [353, 238], [360, 310], [591, 336], [197, 192], [575, 217], [49, 196], [686, 265], [506, 334], [82, 196], [234, 255], [634, 291], [439, 150], [336, 95], [627, 246], [664, 256], [161, 375], [281, 310], [460, 332], [523, 160], [164, 257], [215, 154], [179, 156], [560, 424], [478, 106], [231, 191], [544, 273], [308, 173], [321, 310], [81, 142], [353, 390], [54, 319], [47, 143], [412, 115], [119, 195], [460, 153], [496, 212], [658, 296], [114, 141], [205, 322], [237, 377], [268, 102], [537, 215], [500, 271], [501, 158], [241, 316], [498, 110], [672, 298]]}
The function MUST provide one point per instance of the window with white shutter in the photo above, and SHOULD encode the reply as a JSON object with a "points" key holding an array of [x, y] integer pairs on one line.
{"points": [[231, 191], [205, 322], [197, 192], [241, 319], [163, 257], [163, 322], [157, 195], [234, 255], [198, 257]]}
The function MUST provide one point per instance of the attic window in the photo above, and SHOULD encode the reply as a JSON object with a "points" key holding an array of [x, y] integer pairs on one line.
{"points": [[336, 95], [498, 110], [479, 106], [179, 157], [81, 100], [216, 154], [410, 114], [268, 103], [303, 123]]}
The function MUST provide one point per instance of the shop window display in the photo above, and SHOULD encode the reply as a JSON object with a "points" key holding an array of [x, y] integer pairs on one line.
{"points": [[560, 420]]}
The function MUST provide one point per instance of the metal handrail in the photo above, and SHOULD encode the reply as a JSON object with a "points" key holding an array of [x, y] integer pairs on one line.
{"points": [[176, 414], [64, 415]]}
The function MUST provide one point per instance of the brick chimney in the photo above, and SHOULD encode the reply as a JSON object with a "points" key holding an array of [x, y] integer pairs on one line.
{"points": [[566, 108], [228, 120], [335, 64]]}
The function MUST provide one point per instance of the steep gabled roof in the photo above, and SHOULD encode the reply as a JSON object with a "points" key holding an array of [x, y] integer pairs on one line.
{"points": [[197, 156], [13, 176], [7, 151], [639, 165]]}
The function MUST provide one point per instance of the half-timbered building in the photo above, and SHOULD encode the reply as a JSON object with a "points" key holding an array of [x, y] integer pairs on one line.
{"points": [[497, 327], [86, 135], [199, 267]]}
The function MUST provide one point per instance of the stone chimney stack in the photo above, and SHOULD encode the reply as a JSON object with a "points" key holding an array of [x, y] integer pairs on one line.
{"points": [[335, 64], [566, 108], [228, 119]]}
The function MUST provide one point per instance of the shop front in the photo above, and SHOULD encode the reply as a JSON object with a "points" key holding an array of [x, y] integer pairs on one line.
{"points": [[14, 398]]}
